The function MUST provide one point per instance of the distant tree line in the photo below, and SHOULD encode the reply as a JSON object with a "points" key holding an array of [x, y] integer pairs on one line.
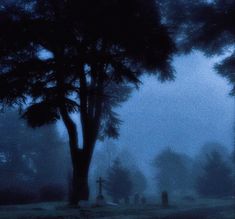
{"points": [[33, 165], [210, 174], [24, 164], [123, 182]]}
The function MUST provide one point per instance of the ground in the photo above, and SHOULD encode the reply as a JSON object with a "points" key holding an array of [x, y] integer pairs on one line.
{"points": [[200, 209]]}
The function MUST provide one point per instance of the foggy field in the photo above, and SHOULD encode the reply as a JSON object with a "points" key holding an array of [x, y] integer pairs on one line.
{"points": [[201, 209]]}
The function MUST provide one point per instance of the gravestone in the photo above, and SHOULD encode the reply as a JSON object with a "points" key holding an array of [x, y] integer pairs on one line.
{"points": [[165, 202], [100, 201]]}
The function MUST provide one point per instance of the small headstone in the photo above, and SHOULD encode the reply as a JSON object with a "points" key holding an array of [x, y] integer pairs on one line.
{"points": [[136, 199], [143, 200], [165, 203]]}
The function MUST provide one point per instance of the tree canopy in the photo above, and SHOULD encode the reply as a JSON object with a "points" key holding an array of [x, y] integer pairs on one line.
{"points": [[172, 172], [207, 26], [119, 184], [216, 179], [63, 57]]}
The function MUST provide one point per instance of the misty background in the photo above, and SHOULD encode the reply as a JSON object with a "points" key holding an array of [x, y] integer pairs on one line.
{"points": [[185, 118], [183, 114]]}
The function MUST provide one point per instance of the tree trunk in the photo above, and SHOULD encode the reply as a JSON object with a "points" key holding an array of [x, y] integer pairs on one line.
{"points": [[79, 173], [81, 159], [80, 188]]}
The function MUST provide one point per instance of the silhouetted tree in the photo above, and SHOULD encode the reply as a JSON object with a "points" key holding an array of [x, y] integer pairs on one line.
{"points": [[233, 152], [63, 57], [233, 164], [202, 157], [216, 180], [139, 181], [208, 148], [119, 183], [131, 163], [172, 172]]}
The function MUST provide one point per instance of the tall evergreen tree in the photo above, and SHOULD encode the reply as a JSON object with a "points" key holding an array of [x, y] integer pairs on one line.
{"points": [[97, 54], [119, 183], [216, 180], [172, 172]]}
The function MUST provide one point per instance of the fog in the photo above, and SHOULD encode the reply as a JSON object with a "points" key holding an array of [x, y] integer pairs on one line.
{"points": [[125, 106], [193, 112], [183, 114]]}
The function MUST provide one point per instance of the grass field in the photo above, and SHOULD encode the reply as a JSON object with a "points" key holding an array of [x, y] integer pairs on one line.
{"points": [[199, 209]]}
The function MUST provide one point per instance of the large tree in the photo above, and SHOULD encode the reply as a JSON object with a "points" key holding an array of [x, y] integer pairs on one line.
{"points": [[63, 57], [172, 172], [119, 184], [216, 178]]}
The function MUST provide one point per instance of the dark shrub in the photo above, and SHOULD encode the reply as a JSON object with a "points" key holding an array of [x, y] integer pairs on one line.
{"points": [[52, 192], [15, 195]]}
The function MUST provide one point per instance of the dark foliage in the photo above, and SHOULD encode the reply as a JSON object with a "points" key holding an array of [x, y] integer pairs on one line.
{"points": [[98, 52], [172, 172], [119, 184], [29, 158], [139, 181], [207, 26], [216, 180], [52, 192], [16, 195]]}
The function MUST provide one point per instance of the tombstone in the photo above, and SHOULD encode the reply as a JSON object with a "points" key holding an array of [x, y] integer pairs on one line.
{"points": [[136, 199], [165, 203], [127, 200], [100, 201], [143, 200]]}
